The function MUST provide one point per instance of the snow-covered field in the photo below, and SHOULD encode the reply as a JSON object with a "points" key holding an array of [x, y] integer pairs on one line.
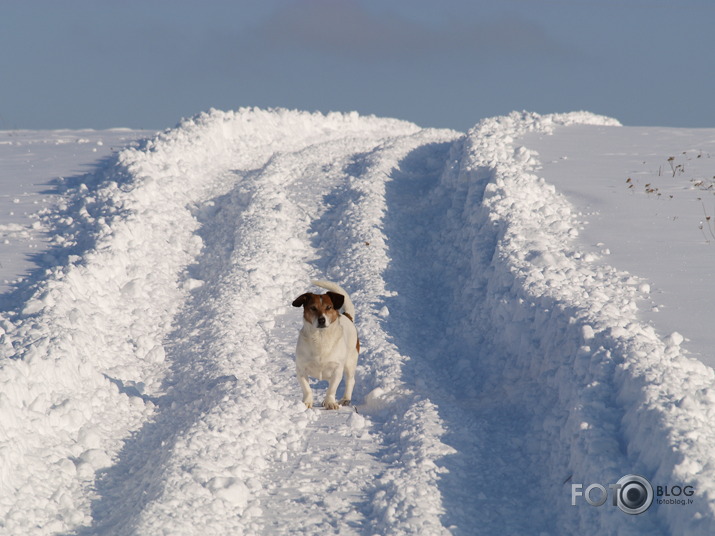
{"points": [[34, 166], [532, 300]]}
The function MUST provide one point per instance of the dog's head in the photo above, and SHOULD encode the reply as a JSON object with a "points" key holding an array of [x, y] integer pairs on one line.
{"points": [[320, 310]]}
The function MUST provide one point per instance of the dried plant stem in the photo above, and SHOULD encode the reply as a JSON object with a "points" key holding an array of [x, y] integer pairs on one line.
{"points": [[709, 223]]}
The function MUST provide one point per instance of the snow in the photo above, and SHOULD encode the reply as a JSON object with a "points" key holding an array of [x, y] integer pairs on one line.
{"points": [[35, 166], [520, 323], [660, 230]]}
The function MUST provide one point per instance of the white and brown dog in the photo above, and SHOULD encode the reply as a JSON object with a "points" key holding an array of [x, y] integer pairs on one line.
{"points": [[328, 343]]}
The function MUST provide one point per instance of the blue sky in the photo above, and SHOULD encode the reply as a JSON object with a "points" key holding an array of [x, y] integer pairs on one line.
{"points": [[444, 63]]}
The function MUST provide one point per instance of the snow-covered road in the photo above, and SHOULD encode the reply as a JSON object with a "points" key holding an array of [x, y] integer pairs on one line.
{"points": [[147, 384]]}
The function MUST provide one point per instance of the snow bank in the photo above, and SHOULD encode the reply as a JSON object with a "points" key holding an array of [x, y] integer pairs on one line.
{"points": [[607, 395]]}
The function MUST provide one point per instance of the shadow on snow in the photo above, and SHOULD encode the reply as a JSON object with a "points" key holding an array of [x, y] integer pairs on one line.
{"points": [[431, 269]]}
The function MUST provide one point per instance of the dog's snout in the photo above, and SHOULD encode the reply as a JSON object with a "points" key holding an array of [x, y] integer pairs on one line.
{"points": [[321, 321]]}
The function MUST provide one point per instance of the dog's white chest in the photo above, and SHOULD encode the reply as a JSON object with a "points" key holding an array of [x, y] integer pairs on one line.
{"points": [[319, 352]]}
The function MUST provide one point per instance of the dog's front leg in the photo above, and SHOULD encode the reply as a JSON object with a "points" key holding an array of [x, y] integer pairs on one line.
{"points": [[333, 382], [349, 385], [307, 392]]}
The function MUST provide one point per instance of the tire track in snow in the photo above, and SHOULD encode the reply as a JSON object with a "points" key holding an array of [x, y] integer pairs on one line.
{"points": [[405, 498], [453, 455], [219, 452], [429, 264], [317, 483]]}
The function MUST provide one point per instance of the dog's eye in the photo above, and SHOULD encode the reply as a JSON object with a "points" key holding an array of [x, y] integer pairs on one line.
{"points": [[313, 308], [329, 307]]}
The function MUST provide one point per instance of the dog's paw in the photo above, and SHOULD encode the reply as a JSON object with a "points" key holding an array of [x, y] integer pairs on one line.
{"points": [[330, 404], [344, 402], [308, 403]]}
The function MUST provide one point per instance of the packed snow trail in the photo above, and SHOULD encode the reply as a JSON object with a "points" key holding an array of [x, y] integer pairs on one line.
{"points": [[149, 387]]}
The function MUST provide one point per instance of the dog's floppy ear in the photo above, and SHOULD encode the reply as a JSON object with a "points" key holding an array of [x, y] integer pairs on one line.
{"points": [[337, 299], [300, 300]]}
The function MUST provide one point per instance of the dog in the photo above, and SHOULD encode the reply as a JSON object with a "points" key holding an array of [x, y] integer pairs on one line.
{"points": [[328, 343]]}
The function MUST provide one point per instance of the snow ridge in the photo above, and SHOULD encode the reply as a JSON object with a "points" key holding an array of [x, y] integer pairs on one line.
{"points": [[608, 397]]}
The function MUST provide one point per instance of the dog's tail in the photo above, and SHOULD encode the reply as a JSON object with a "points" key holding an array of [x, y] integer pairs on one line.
{"points": [[348, 307]]}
